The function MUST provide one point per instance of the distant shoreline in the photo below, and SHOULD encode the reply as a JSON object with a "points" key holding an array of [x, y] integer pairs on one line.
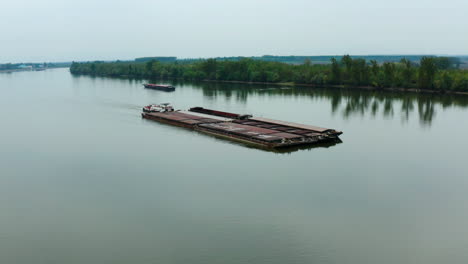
{"points": [[439, 75], [27, 70], [290, 84], [14, 70]]}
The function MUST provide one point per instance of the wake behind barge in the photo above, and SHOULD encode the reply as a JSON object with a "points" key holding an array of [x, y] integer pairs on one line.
{"points": [[245, 128]]}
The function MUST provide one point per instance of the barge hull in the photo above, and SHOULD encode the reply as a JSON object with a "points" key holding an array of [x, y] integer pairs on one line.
{"points": [[166, 88], [258, 131]]}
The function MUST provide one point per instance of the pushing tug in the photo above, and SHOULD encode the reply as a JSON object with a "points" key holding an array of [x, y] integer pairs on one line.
{"points": [[245, 128], [158, 108], [162, 87]]}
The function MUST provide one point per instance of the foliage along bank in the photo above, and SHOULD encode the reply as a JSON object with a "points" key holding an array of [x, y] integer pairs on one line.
{"points": [[432, 73]]}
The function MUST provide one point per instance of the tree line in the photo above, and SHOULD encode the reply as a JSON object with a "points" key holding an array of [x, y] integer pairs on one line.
{"points": [[432, 73]]}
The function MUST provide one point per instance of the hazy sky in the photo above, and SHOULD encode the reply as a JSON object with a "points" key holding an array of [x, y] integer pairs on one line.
{"points": [[64, 30]]}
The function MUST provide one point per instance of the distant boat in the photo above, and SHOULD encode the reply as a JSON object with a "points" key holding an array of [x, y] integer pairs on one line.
{"points": [[161, 87]]}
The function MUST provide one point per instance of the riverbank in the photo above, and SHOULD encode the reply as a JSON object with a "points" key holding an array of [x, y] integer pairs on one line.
{"points": [[437, 75], [26, 70], [14, 70], [292, 84]]}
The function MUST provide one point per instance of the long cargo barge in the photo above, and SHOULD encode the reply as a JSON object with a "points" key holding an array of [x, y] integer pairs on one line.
{"points": [[245, 128], [161, 87]]}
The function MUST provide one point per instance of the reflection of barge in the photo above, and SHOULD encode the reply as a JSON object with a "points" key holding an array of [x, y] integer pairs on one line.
{"points": [[161, 87], [245, 128]]}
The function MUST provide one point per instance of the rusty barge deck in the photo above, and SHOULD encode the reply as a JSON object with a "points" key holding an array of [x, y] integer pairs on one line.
{"points": [[245, 128]]}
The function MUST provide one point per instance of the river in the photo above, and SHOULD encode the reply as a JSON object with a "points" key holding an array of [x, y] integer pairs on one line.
{"points": [[84, 179]]}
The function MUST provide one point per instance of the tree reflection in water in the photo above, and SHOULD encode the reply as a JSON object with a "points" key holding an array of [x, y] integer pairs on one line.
{"points": [[349, 102]]}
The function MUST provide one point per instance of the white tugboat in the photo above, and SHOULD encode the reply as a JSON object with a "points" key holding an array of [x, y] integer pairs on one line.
{"points": [[160, 108]]}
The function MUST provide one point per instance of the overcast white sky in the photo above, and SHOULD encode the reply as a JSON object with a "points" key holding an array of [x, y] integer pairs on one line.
{"points": [[65, 30]]}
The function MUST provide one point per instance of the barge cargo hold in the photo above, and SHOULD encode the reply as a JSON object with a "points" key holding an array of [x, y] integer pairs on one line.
{"points": [[245, 128]]}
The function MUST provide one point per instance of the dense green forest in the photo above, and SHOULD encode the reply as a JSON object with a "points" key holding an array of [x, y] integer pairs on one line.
{"points": [[431, 73]]}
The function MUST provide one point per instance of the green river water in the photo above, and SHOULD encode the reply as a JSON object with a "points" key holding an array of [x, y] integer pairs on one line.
{"points": [[84, 179]]}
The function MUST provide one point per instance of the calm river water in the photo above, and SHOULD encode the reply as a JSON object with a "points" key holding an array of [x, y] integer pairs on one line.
{"points": [[83, 179]]}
